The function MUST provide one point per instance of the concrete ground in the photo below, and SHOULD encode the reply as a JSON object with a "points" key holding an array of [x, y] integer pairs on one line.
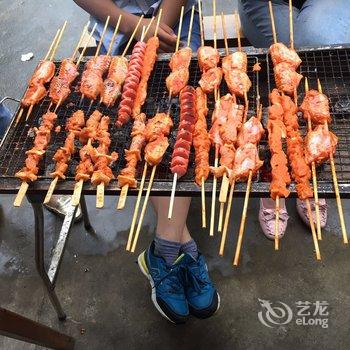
{"points": [[105, 296]]}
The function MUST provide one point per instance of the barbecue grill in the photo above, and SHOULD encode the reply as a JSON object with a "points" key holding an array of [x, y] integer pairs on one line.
{"points": [[330, 64]]}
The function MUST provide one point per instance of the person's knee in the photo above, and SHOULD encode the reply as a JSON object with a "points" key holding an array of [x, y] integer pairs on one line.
{"points": [[321, 24]]}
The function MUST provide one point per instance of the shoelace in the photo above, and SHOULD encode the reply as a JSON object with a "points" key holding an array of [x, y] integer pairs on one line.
{"points": [[172, 279], [195, 280]]}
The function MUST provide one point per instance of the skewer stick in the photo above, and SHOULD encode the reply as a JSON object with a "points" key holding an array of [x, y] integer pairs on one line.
{"points": [[100, 195], [227, 218], [102, 36], [114, 35], [273, 23], [238, 31], [204, 219], [122, 197], [172, 197], [314, 178], [50, 190], [190, 27], [125, 188], [277, 222], [132, 36], [77, 192], [86, 44], [58, 41], [143, 210], [244, 216], [336, 186], [179, 30], [224, 32], [137, 205], [201, 22], [21, 193], [291, 31], [80, 41], [158, 22], [52, 45], [213, 197], [173, 189], [221, 216], [214, 15], [44, 59], [313, 231]]}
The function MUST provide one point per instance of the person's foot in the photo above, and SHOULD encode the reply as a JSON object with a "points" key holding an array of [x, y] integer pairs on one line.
{"points": [[168, 294], [202, 297], [60, 205], [302, 211], [267, 218]]}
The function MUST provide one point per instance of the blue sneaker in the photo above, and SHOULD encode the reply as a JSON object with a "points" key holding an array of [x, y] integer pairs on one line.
{"points": [[168, 294], [202, 297]]}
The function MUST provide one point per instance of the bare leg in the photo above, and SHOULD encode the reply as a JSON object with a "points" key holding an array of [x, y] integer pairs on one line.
{"points": [[174, 229]]}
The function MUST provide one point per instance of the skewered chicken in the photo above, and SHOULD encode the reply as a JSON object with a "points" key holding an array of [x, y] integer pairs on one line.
{"points": [[133, 154], [91, 84], [112, 85], [320, 144], [41, 141], [315, 105], [179, 65]]}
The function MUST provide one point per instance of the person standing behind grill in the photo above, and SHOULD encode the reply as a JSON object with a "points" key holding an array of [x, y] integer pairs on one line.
{"points": [[177, 271], [316, 23]]}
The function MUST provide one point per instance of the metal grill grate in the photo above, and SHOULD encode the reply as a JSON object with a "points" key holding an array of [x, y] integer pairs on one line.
{"points": [[20, 139], [331, 66]]}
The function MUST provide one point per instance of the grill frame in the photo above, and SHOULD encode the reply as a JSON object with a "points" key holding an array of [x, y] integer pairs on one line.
{"points": [[186, 186]]}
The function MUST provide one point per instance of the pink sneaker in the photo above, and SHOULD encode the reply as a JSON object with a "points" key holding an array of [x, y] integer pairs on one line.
{"points": [[267, 218], [302, 211]]}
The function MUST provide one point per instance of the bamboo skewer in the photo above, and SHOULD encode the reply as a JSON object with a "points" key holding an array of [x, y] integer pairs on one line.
{"points": [[125, 188], [244, 216], [216, 161], [51, 53], [314, 178], [137, 205], [227, 219], [44, 59], [72, 59], [97, 53], [224, 183], [173, 190], [150, 183], [137, 234], [313, 231], [336, 186], [55, 180], [204, 218]]}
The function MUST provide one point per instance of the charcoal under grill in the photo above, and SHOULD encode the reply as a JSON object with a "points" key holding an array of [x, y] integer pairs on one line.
{"points": [[330, 65]]}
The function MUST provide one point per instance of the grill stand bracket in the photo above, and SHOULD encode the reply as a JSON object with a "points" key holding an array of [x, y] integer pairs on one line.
{"points": [[49, 277]]}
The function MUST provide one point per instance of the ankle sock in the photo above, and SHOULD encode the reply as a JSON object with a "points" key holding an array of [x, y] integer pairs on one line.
{"points": [[168, 250], [190, 248]]}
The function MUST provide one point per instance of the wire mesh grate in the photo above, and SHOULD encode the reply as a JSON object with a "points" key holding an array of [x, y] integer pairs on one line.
{"points": [[20, 138]]}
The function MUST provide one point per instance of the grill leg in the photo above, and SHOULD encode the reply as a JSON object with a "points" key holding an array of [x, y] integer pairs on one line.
{"points": [[86, 219], [36, 203]]}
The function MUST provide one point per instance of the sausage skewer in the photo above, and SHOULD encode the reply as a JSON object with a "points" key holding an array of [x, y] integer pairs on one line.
{"points": [[190, 95], [161, 153], [141, 93]]}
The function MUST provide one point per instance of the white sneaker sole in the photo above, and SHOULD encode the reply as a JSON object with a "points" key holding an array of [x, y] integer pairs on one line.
{"points": [[144, 269]]}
